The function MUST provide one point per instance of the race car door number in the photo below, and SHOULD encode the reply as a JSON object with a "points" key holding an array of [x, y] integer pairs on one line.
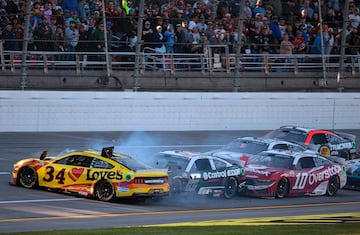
{"points": [[191, 185]]}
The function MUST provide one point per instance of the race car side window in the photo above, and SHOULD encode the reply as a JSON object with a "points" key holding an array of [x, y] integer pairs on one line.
{"points": [[333, 139], [281, 146], [305, 162], [219, 164], [79, 160], [76, 160], [322, 161], [319, 138], [203, 165], [98, 163]]}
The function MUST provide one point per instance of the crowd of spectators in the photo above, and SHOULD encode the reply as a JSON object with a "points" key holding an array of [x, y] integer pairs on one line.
{"points": [[181, 26]]}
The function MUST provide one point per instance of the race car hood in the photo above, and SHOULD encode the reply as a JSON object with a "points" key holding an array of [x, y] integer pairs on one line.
{"points": [[228, 154], [258, 171]]}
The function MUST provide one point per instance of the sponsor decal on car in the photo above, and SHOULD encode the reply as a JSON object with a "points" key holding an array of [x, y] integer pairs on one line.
{"points": [[312, 178], [347, 145], [221, 174], [97, 175], [123, 187]]}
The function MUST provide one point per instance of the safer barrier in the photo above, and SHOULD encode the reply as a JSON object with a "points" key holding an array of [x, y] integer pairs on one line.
{"points": [[42, 111]]}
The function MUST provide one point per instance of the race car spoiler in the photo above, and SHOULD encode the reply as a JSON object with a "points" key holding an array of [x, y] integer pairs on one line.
{"points": [[107, 152]]}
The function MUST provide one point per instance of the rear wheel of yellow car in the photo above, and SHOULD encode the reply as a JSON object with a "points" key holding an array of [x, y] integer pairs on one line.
{"points": [[104, 191], [27, 177], [325, 151]]}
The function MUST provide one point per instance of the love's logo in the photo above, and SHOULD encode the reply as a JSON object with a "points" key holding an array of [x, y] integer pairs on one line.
{"points": [[75, 173]]}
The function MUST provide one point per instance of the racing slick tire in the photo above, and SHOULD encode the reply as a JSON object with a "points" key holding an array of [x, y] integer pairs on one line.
{"points": [[345, 154], [176, 187], [333, 186], [325, 151], [27, 177], [231, 187], [104, 191], [282, 188]]}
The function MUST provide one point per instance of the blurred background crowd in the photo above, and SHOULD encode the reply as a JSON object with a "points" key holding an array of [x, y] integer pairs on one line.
{"points": [[182, 26]]}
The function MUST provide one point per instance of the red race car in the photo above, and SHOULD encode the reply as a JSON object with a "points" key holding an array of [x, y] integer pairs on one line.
{"points": [[279, 174]]}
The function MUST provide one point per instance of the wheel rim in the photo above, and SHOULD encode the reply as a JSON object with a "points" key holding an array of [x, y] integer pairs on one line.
{"points": [[230, 188], [333, 186], [104, 191], [282, 188], [27, 177]]}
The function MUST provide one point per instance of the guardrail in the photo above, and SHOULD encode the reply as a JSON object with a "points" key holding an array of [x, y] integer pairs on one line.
{"points": [[206, 62]]}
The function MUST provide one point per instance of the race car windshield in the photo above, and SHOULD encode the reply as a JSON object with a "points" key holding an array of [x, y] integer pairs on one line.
{"points": [[241, 146], [131, 163], [276, 161], [288, 135]]}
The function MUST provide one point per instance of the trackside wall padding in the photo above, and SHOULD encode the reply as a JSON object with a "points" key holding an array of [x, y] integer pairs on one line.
{"points": [[42, 111]]}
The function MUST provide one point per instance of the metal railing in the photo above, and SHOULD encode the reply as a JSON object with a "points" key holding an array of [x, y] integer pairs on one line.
{"points": [[209, 62]]}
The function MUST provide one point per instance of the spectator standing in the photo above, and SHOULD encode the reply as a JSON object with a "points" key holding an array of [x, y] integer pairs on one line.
{"points": [[9, 37], [330, 42], [72, 39], [84, 39], [275, 33], [147, 34], [159, 40], [299, 43], [44, 34], [286, 48], [355, 18], [59, 42], [170, 39]]}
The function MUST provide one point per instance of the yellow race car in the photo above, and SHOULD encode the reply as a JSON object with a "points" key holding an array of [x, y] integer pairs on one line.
{"points": [[105, 175]]}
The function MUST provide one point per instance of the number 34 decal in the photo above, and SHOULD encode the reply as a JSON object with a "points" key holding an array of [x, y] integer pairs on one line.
{"points": [[49, 176]]}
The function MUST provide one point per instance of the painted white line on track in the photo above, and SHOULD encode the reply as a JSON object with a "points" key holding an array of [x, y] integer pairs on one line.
{"points": [[4, 173], [40, 200]]}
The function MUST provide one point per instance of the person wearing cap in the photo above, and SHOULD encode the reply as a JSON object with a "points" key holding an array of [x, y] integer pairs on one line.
{"points": [[74, 17], [147, 34], [159, 40]]}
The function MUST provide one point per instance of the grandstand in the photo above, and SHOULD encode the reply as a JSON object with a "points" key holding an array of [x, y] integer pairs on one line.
{"points": [[205, 54]]}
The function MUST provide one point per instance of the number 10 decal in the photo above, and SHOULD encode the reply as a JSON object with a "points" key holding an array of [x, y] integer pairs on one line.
{"points": [[301, 179]]}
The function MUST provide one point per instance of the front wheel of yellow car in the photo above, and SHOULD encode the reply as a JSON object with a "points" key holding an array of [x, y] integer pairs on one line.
{"points": [[104, 191], [27, 177]]}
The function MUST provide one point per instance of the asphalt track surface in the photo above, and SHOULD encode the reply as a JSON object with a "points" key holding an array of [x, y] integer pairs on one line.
{"points": [[38, 210]]}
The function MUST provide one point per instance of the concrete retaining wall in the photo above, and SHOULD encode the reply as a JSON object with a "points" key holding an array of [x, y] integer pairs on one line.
{"points": [[165, 111]]}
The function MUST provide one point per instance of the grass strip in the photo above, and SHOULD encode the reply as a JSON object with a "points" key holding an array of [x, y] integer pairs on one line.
{"points": [[299, 229]]}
